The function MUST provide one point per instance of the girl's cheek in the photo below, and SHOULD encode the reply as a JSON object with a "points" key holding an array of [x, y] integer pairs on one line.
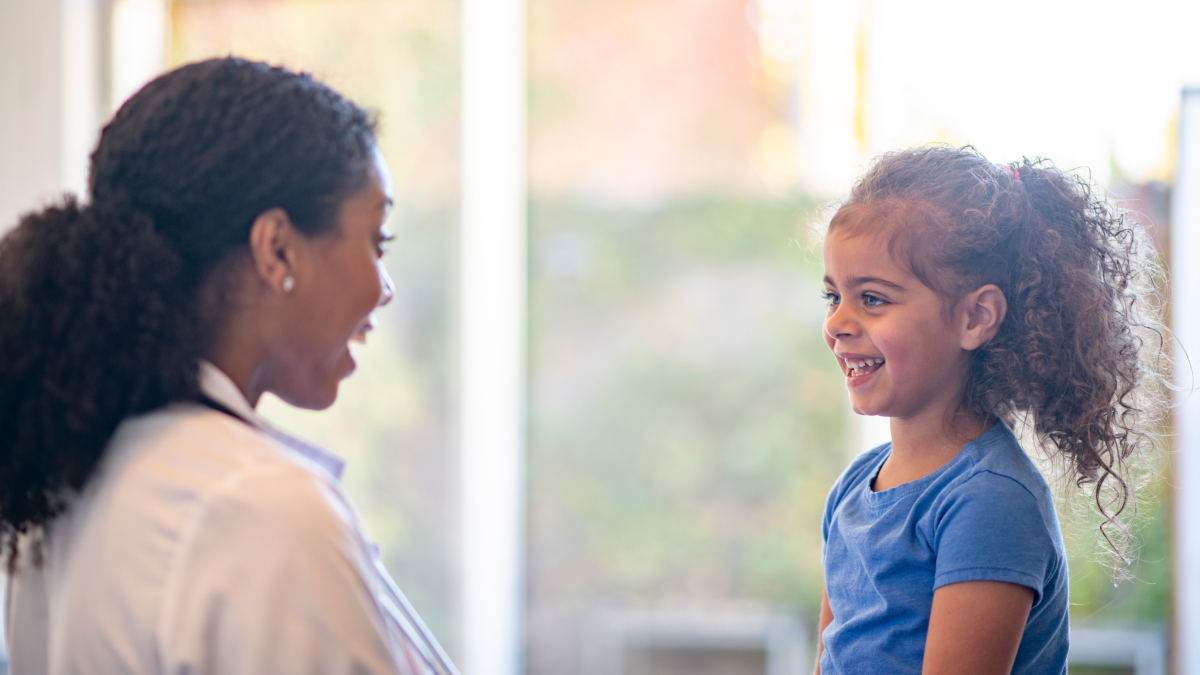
{"points": [[891, 349]]}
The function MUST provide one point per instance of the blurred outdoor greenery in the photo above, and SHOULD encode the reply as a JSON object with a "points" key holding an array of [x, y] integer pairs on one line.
{"points": [[686, 420], [1143, 599]]}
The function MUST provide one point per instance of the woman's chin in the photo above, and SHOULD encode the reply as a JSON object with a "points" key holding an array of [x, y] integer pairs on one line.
{"points": [[318, 399], [323, 392]]}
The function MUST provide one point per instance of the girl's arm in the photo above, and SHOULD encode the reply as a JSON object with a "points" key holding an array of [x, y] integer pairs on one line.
{"points": [[826, 617], [975, 627]]}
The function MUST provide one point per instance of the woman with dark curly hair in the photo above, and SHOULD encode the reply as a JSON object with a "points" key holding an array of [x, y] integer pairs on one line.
{"points": [[152, 523], [965, 297]]}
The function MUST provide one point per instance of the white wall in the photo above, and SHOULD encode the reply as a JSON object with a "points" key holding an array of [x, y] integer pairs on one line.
{"points": [[31, 105], [64, 67], [51, 86]]}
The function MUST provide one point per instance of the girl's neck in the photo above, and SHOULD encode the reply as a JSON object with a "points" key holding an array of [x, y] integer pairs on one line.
{"points": [[921, 446]]}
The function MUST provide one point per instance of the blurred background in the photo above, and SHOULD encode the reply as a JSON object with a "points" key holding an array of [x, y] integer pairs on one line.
{"points": [[681, 420]]}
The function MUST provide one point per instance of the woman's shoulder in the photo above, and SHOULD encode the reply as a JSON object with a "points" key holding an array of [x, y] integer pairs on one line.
{"points": [[275, 537], [210, 443], [213, 459], [186, 497], [185, 473]]}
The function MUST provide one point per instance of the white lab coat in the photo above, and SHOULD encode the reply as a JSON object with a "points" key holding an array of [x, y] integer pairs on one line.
{"points": [[204, 544]]}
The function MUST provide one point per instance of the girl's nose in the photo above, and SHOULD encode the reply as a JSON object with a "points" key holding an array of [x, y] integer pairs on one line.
{"points": [[839, 324], [385, 281]]}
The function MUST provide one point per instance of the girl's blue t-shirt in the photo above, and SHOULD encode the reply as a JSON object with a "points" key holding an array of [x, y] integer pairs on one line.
{"points": [[987, 515]]}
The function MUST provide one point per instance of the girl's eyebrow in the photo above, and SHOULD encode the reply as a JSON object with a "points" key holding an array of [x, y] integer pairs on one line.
{"points": [[862, 281]]}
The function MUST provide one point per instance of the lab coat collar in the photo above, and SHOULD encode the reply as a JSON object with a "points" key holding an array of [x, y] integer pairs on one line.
{"points": [[215, 384]]}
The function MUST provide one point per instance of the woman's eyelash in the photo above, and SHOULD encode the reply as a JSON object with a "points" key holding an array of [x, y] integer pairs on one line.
{"points": [[829, 297], [382, 246]]}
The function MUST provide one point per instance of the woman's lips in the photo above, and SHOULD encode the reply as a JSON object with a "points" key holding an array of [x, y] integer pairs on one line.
{"points": [[360, 333]]}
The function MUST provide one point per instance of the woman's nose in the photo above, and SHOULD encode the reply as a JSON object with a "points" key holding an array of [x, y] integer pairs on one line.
{"points": [[385, 281]]}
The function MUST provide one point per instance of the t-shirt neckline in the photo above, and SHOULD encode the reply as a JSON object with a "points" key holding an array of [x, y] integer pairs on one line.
{"points": [[891, 495]]}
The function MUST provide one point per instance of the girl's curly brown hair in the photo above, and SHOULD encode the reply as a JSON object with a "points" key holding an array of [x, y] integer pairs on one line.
{"points": [[1070, 358]]}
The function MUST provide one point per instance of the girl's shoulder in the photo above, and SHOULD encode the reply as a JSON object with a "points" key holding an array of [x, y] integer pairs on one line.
{"points": [[998, 455], [862, 469], [995, 488], [865, 465]]}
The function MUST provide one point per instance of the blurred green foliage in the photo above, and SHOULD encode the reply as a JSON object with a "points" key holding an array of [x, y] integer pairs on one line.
{"points": [[1145, 598], [686, 420]]}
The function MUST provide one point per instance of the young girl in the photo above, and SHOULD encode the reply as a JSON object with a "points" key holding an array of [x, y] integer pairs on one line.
{"points": [[963, 295]]}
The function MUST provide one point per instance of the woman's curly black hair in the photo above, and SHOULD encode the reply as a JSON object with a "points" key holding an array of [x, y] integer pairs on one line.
{"points": [[1070, 357], [101, 301]]}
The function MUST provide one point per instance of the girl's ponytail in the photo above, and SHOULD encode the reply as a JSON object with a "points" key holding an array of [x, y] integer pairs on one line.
{"points": [[1082, 307], [96, 328]]}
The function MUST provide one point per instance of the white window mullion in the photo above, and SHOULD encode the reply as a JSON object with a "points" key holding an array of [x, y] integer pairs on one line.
{"points": [[491, 334], [1185, 285]]}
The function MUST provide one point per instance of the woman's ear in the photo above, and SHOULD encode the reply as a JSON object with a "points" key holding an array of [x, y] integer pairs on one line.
{"points": [[982, 311], [272, 249]]}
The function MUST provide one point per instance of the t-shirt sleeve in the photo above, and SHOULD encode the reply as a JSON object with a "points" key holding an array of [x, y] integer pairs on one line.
{"points": [[991, 528], [831, 502]]}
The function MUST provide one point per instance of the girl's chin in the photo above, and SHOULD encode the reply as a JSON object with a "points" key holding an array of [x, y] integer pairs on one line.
{"points": [[866, 407]]}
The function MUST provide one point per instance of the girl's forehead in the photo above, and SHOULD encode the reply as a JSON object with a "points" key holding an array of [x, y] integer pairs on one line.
{"points": [[853, 249]]}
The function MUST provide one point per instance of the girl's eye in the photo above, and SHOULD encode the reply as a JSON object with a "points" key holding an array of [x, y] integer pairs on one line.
{"points": [[831, 298], [873, 301]]}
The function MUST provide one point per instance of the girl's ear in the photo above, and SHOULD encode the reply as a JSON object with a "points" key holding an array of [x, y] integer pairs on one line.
{"points": [[981, 313]]}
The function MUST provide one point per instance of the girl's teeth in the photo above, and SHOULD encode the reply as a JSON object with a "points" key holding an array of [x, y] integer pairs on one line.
{"points": [[860, 365]]}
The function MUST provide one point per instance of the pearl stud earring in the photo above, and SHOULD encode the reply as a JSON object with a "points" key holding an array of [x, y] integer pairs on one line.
{"points": [[288, 284]]}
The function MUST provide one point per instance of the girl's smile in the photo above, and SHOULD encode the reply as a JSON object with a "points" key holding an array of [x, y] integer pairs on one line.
{"points": [[858, 367]]}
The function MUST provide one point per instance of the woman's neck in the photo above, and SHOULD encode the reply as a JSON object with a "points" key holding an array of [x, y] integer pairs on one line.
{"points": [[233, 336]]}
